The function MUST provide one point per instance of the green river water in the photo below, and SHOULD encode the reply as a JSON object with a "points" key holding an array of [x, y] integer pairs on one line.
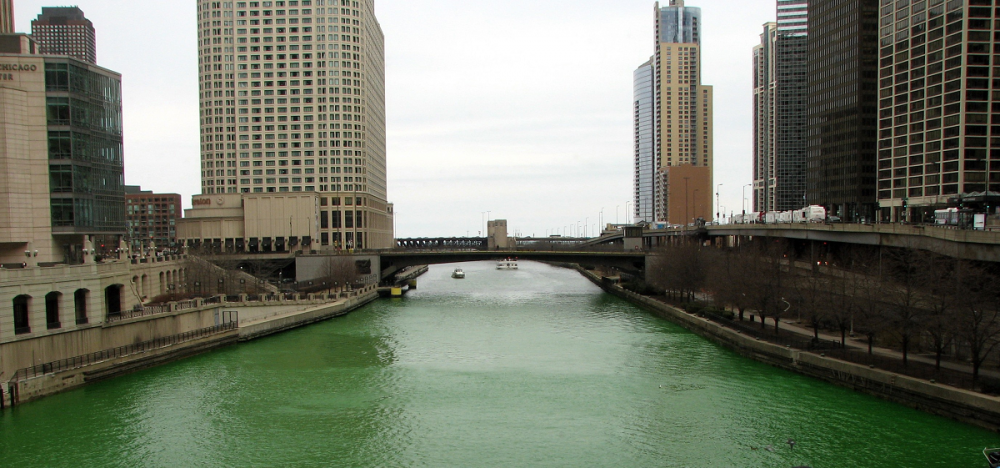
{"points": [[528, 368]]}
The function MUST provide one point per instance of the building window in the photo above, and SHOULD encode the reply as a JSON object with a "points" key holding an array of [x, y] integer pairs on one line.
{"points": [[21, 314]]}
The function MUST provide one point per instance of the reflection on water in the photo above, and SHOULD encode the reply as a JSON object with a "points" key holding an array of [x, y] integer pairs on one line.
{"points": [[534, 367]]}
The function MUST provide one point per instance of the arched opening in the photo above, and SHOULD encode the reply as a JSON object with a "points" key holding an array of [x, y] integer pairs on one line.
{"points": [[144, 289], [80, 304], [113, 299], [163, 283], [22, 308], [52, 300]]}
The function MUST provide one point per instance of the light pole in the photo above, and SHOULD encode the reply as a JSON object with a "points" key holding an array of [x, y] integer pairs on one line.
{"points": [[717, 205], [686, 217], [483, 232], [694, 203], [600, 219], [616, 213], [745, 198], [626, 212], [586, 221]]}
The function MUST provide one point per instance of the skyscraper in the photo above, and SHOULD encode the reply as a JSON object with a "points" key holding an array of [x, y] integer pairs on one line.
{"points": [[843, 106], [645, 161], [780, 91], [292, 97], [764, 90], [682, 110], [6, 16], [65, 31], [936, 106]]}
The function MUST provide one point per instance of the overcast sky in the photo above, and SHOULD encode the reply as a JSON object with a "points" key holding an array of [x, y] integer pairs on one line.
{"points": [[522, 108]]}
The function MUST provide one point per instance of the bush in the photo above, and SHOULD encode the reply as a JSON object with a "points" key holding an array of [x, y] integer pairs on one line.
{"points": [[694, 307]]}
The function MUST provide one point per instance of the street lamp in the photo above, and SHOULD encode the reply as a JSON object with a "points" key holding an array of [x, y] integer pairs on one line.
{"points": [[686, 217], [694, 203], [717, 200], [626, 212], [745, 198], [616, 213]]}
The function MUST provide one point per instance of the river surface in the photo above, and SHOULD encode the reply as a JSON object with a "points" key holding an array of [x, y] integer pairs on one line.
{"points": [[528, 368]]}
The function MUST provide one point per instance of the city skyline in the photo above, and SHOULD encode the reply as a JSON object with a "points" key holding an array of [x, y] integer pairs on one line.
{"points": [[537, 166]]}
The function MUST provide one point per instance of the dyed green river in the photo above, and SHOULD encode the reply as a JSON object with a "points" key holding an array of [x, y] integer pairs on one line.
{"points": [[528, 368]]}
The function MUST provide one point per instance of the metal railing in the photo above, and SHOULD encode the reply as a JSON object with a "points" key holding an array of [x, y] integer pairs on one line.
{"points": [[114, 353]]}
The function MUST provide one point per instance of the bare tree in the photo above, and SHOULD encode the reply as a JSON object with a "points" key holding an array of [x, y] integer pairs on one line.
{"points": [[938, 275], [679, 269], [340, 272], [978, 312], [766, 288], [730, 280], [906, 313]]}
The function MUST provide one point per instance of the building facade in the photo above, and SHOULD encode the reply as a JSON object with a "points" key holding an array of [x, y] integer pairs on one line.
{"points": [[65, 31], [842, 116], [61, 167], [937, 105], [764, 90], [683, 129], [780, 97], [644, 183], [6, 16], [151, 218], [293, 101]]}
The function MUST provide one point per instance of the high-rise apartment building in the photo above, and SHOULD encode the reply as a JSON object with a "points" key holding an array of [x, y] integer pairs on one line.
{"points": [[292, 96], [151, 218], [842, 116], [6, 16], [645, 161], [65, 31], [682, 118], [780, 91], [61, 167], [936, 106]]}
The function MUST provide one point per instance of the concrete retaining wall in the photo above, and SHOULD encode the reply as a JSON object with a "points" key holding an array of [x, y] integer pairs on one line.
{"points": [[255, 320], [954, 403]]}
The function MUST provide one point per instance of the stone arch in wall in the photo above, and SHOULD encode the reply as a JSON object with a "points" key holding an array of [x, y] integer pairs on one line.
{"points": [[113, 299], [22, 314], [53, 301], [80, 299], [163, 283]]}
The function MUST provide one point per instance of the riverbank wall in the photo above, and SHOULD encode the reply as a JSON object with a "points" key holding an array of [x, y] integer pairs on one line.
{"points": [[953, 403], [108, 350]]}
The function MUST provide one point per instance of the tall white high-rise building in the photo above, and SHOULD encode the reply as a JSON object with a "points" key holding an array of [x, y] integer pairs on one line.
{"points": [[644, 186], [292, 98]]}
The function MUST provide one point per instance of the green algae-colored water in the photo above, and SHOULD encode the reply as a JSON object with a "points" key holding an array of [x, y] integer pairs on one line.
{"points": [[528, 368]]}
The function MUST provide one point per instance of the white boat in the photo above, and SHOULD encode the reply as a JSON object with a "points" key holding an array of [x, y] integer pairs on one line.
{"points": [[507, 264], [458, 274]]}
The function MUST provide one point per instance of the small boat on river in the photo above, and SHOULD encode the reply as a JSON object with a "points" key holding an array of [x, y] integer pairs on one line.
{"points": [[458, 274], [992, 456], [507, 264]]}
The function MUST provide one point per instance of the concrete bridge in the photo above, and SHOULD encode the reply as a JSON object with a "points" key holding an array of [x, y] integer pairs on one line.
{"points": [[957, 243], [391, 262]]}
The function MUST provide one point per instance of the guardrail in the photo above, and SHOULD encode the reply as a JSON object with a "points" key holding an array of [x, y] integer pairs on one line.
{"points": [[151, 311], [113, 353]]}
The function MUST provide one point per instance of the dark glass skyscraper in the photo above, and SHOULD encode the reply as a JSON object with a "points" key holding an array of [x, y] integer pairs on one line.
{"points": [[65, 31], [843, 106]]}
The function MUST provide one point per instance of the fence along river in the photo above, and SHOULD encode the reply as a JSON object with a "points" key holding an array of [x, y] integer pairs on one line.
{"points": [[534, 367]]}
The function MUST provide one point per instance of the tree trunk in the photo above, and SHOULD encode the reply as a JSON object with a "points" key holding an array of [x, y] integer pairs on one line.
{"points": [[937, 357], [871, 338], [843, 337], [816, 330], [741, 314], [906, 349], [777, 321]]}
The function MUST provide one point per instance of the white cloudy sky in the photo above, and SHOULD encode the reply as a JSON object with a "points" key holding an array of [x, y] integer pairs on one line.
{"points": [[522, 108]]}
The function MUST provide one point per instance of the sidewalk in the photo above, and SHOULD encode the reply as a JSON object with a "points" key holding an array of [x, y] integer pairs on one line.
{"points": [[862, 343]]}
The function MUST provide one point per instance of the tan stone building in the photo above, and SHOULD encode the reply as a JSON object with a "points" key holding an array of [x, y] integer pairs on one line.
{"points": [[292, 97], [682, 115], [6, 16], [254, 223]]}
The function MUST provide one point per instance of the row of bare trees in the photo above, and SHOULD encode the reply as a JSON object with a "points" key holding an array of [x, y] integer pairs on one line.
{"points": [[902, 298]]}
